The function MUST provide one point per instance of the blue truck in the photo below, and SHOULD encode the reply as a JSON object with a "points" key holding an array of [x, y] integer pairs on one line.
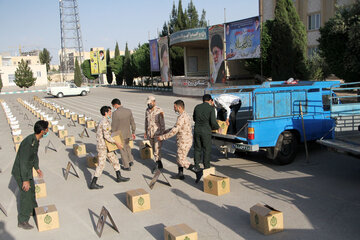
{"points": [[276, 116]]}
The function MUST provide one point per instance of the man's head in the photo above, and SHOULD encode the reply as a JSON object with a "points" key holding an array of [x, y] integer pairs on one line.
{"points": [[179, 106], [150, 101], [116, 103], [105, 111], [41, 128], [216, 48], [207, 98]]}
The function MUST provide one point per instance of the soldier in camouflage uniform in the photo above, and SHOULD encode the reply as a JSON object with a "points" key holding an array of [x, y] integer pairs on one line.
{"points": [[103, 134], [154, 126], [184, 140]]}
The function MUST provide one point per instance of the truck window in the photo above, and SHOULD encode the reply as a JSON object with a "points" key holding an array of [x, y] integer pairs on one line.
{"points": [[326, 102]]}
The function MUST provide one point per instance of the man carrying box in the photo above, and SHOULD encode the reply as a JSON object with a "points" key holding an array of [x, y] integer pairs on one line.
{"points": [[27, 159], [228, 105], [183, 141], [104, 133]]}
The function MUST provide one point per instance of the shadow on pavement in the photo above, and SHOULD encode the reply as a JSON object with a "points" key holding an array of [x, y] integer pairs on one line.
{"points": [[156, 230], [4, 235]]}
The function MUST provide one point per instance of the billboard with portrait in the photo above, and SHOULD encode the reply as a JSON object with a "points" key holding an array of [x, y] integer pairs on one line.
{"points": [[154, 55], [94, 64], [216, 49], [102, 60], [243, 39], [164, 59]]}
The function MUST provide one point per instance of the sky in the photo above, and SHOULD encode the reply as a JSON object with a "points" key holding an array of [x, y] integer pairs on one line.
{"points": [[35, 24]]}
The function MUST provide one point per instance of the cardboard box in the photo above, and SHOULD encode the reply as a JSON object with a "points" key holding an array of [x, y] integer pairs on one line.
{"points": [[17, 145], [47, 218], [90, 124], [92, 160], [55, 128], [79, 149], [40, 188], [69, 140], [146, 152], [62, 112], [18, 138], [138, 200], [81, 120], [50, 125], [216, 185], [67, 114], [58, 110], [118, 138], [35, 174], [180, 232], [223, 127], [74, 117], [63, 133], [266, 219], [131, 143]]}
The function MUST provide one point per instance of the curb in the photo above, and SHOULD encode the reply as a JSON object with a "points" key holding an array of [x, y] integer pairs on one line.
{"points": [[143, 88], [30, 91]]}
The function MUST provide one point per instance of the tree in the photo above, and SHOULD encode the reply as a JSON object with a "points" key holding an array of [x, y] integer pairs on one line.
{"points": [[86, 69], [128, 67], [117, 52], [117, 66], [288, 43], [109, 76], [340, 45], [141, 60], [253, 65], [24, 76], [45, 58], [203, 22], [193, 16], [77, 74]]}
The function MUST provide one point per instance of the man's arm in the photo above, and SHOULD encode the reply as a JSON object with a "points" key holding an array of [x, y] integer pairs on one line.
{"points": [[132, 123], [172, 132], [162, 121], [214, 125], [25, 162], [226, 106]]}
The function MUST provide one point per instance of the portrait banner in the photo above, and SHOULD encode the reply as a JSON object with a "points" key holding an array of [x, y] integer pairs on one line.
{"points": [[94, 64], [102, 61], [154, 55], [216, 49], [164, 59], [243, 39]]}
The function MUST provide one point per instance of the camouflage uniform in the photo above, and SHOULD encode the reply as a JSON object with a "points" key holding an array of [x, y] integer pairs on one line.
{"points": [[154, 126], [104, 133], [184, 138]]}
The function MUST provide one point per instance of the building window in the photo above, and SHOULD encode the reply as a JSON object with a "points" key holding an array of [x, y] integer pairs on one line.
{"points": [[28, 62], [38, 74], [11, 79], [312, 51], [314, 21]]}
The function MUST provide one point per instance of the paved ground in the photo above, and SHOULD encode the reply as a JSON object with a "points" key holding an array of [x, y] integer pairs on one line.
{"points": [[319, 201]]}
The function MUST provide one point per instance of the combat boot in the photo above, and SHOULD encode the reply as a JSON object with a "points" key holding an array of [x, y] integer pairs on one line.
{"points": [[25, 225], [198, 172], [94, 185], [119, 178], [180, 174]]}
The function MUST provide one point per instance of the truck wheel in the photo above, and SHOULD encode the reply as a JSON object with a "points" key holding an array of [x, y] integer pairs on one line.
{"points": [[83, 93], [60, 95], [286, 148]]}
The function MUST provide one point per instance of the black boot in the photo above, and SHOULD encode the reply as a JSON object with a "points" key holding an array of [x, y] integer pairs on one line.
{"points": [[119, 178], [94, 185], [158, 165], [198, 172], [180, 174]]}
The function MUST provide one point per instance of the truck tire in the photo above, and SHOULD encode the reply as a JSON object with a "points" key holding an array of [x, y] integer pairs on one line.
{"points": [[83, 93], [60, 95], [286, 148]]}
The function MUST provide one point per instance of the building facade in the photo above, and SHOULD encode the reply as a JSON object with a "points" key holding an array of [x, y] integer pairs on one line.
{"points": [[313, 13], [9, 64]]}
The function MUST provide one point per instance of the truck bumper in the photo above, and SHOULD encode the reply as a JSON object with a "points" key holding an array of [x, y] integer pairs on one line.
{"points": [[226, 145]]}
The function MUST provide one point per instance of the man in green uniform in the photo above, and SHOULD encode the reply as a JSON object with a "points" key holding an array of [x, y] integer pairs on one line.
{"points": [[205, 121], [27, 159]]}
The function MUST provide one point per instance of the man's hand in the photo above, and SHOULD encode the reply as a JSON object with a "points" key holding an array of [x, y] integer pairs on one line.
{"points": [[133, 136], [40, 173], [26, 186], [158, 138], [227, 122], [119, 145], [145, 136]]}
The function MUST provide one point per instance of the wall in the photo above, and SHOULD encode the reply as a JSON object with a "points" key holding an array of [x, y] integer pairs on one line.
{"points": [[202, 55], [8, 70]]}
